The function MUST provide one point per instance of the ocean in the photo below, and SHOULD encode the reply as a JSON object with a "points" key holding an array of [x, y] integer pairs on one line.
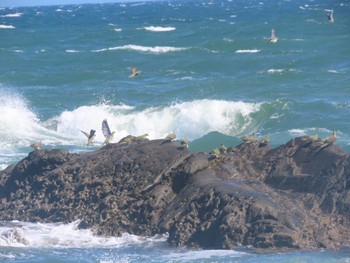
{"points": [[208, 73]]}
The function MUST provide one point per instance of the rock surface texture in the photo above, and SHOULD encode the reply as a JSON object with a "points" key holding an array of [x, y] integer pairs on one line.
{"points": [[296, 196]]}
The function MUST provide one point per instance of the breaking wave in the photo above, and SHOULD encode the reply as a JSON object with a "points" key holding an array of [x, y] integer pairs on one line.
{"points": [[155, 49], [60, 235], [159, 28]]}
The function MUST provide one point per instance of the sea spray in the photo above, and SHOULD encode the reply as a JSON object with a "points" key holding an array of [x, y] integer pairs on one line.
{"points": [[190, 120], [64, 235]]}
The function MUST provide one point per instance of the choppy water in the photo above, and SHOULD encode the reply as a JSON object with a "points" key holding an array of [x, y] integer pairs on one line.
{"points": [[208, 73]]}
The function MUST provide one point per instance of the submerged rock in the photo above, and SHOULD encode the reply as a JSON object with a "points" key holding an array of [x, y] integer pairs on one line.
{"points": [[296, 196]]}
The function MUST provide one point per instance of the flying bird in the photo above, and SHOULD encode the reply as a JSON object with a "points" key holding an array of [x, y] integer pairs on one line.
{"points": [[329, 14], [134, 72], [107, 132], [273, 38], [90, 136]]}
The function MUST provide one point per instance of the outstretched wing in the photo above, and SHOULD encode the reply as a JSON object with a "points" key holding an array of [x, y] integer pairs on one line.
{"points": [[105, 129], [85, 133], [92, 133]]}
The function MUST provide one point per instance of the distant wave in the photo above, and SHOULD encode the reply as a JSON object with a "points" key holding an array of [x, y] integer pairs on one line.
{"points": [[72, 51], [159, 28], [60, 235], [6, 27], [156, 49], [13, 15], [247, 50]]}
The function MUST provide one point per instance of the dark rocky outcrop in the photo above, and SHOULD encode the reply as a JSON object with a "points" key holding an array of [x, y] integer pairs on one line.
{"points": [[296, 196]]}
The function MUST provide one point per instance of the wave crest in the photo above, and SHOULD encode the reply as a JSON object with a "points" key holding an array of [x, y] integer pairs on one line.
{"points": [[155, 49], [159, 28]]}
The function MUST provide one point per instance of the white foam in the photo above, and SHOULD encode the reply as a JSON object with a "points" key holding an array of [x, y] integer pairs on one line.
{"points": [[13, 15], [156, 49], [19, 125], [190, 120], [247, 50], [117, 29], [159, 28], [59, 235], [72, 51], [333, 71], [6, 27], [198, 255], [273, 70]]}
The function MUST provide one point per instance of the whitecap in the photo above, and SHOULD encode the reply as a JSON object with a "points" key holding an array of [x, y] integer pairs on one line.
{"points": [[272, 70], [333, 71], [6, 27], [247, 50], [72, 51], [117, 29], [13, 15], [156, 49], [159, 28]]}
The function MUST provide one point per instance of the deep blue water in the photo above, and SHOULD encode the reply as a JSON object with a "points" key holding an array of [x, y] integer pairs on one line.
{"points": [[208, 73]]}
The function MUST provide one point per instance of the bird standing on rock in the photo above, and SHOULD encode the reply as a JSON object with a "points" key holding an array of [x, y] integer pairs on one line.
{"points": [[223, 149], [331, 139], [107, 132], [251, 138], [170, 136], [264, 141], [37, 145]]}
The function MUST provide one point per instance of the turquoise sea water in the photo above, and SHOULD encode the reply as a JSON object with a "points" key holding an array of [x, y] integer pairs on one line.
{"points": [[208, 73]]}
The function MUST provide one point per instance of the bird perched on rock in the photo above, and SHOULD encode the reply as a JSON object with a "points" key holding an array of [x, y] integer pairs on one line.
{"points": [[264, 141], [37, 145], [331, 139], [142, 137], [314, 138], [184, 143], [134, 72], [90, 136], [214, 154], [107, 132], [170, 136], [223, 149], [251, 138]]}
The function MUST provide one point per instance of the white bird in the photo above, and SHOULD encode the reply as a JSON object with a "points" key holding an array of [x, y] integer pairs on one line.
{"points": [[329, 14], [134, 72], [273, 38], [170, 136], [107, 132], [90, 136]]}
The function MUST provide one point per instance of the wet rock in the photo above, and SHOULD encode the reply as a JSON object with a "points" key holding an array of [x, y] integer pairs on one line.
{"points": [[296, 196]]}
